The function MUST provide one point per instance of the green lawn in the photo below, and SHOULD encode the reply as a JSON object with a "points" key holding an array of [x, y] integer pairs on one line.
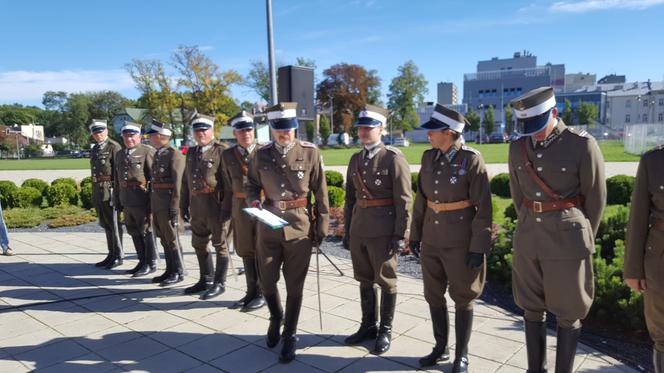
{"points": [[493, 153]]}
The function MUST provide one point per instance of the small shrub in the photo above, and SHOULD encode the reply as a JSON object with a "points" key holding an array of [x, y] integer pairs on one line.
{"points": [[86, 195], [500, 185], [26, 196], [86, 180], [7, 188], [23, 218], [334, 178], [413, 180], [510, 212], [65, 180], [619, 189], [71, 220], [336, 196], [61, 194], [38, 184], [55, 212]]}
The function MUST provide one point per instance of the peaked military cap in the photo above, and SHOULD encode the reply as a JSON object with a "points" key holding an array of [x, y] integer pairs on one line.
{"points": [[372, 116], [445, 118], [131, 128], [202, 122], [241, 121], [532, 110], [282, 116], [160, 128], [97, 125]]}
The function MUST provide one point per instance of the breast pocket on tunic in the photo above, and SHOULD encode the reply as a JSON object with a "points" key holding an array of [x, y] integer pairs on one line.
{"points": [[300, 171], [575, 239]]}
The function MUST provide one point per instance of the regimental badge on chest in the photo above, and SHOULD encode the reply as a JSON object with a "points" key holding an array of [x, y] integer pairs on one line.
{"points": [[300, 175], [453, 180], [378, 182]]}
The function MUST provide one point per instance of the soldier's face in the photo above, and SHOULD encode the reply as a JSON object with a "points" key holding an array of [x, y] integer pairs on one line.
{"points": [[100, 136], [285, 137], [369, 135], [244, 137], [542, 135], [131, 140], [436, 138], [158, 140], [203, 136]]}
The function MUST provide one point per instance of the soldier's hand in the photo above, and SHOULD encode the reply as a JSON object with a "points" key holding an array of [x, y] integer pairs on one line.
{"points": [[474, 260], [414, 247], [396, 245], [257, 204], [636, 284], [345, 242]]}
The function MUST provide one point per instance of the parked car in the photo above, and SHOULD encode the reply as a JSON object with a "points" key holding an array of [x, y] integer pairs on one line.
{"points": [[497, 138], [85, 154], [75, 154]]}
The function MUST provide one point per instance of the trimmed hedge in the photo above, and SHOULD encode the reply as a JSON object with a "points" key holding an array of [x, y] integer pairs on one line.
{"points": [[86, 195], [7, 188], [86, 180], [65, 180], [500, 185], [619, 189], [334, 178], [413, 180], [61, 194], [38, 184], [336, 196], [26, 196]]}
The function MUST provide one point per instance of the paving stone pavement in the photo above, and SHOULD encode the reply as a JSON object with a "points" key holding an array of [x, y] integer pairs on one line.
{"points": [[58, 313]]}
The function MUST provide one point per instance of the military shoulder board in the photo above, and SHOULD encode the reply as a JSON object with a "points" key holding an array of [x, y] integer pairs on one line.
{"points": [[307, 144], [582, 133], [469, 149], [393, 149]]}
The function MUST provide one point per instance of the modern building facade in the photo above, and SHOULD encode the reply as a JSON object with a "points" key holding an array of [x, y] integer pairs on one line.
{"points": [[448, 93]]}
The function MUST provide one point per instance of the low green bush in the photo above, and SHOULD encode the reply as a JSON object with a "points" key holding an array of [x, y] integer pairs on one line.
{"points": [[7, 188], [500, 185], [26, 196], [336, 196], [334, 178], [38, 184], [61, 194]]}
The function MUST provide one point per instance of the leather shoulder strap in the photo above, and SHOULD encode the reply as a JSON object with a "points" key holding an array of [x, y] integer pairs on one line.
{"points": [[533, 174]]}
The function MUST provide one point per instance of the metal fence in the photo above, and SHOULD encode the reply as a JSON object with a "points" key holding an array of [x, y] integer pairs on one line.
{"points": [[642, 137]]}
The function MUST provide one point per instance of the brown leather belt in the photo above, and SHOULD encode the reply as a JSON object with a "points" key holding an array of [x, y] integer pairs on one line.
{"points": [[449, 206], [102, 178], [658, 224], [376, 202], [206, 190], [287, 205], [539, 206], [163, 186], [239, 195], [127, 184]]}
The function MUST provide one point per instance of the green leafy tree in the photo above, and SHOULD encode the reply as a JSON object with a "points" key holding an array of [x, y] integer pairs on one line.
{"points": [[407, 90], [568, 114], [489, 122], [258, 79], [474, 120], [325, 130], [587, 113], [509, 119]]}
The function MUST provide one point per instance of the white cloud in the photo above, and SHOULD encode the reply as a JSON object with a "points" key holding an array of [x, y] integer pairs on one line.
{"points": [[17, 86], [584, 6]]}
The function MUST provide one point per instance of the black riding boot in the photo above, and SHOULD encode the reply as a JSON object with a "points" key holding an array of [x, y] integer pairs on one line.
{"points": [[205, 268], [658, 360], [368, 328], [566, 349], [440, 321], [463, 325], [276, 319], [288, 338], [387, 304], [109, 247], [536, 346], [253, 298], [139, 245], [219, 285], [169, 267], [118, 254], [177, 269], [149, 257]]}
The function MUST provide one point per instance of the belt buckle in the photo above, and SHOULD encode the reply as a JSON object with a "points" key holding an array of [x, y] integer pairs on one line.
{"points": [[537, 206], [281, 205]]}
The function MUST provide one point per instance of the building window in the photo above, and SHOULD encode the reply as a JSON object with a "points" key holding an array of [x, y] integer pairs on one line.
{"points": [[645, 118], [661, 102], [627, 118], [660, 117], [645, 103], [628, 103]]}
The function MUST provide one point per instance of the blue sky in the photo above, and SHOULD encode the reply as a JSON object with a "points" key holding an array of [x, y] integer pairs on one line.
{"points": [[82, 45]]}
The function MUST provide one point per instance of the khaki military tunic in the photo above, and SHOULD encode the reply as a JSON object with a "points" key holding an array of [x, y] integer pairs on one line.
{"points": [[235, 163], [552, 263], [202, 193], [379, 174], [447, 236], [167, 171], [296, 175], [644, 249], [102, 158], [133, 174]]}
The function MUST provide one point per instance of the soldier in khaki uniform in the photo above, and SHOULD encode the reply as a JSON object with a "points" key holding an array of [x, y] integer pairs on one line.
{"points": [[133, 169], [558, 188], [645, 245], [200, 202], [101, 163], [235, 163], [378, 200], [167, 170], [289, 172], [452, 230]]}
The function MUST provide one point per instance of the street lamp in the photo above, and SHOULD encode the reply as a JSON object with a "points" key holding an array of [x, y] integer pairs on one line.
{"points": [[480, 107], [270, 53]]}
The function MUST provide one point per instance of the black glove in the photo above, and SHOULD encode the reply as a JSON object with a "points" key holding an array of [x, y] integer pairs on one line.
{"points": [[185, 215], [396, 245], [415, 248], [474, 260], [345, 242]]}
